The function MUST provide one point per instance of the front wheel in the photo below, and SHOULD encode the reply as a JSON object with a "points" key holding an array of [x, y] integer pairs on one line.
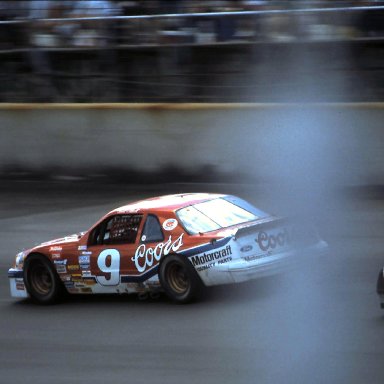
{"points": [[41, 280], [179, 279]]}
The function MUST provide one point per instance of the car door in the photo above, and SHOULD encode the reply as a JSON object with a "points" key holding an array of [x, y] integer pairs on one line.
{"points": [[156, 241], [150, 247], [111, 246]]}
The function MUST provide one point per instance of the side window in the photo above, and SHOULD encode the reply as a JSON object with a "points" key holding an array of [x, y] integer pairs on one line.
{"points": [[152, 230], [119, 229]]}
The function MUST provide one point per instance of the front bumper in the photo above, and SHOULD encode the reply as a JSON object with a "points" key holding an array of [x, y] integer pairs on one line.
{"points": [[380, 287], [16, 283], [241, 270]]}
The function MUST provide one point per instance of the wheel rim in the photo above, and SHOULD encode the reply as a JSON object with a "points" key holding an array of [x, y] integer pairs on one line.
{"points": [[40, 279], [178, 278]]}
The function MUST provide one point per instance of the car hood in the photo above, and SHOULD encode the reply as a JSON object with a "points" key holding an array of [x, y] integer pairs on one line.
{"points": [[61, 241]]}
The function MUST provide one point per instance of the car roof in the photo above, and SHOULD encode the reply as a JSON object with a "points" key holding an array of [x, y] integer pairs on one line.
{"points": [[166, 203]]}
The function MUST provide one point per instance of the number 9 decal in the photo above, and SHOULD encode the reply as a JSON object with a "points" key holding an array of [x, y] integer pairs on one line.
{"points": [[109, 262]]}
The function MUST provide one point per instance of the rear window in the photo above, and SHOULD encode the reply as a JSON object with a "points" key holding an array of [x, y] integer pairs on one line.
{"points": [[214, 214]]}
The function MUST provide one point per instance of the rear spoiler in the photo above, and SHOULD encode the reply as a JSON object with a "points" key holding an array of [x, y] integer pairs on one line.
{"points": [[268, 222]]}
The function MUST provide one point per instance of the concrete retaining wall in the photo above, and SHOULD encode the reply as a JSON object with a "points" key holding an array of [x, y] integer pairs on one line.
{"points": [[316, 144]]}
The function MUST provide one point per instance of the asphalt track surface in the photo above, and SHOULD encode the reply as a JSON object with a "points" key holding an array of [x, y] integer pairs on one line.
{"points": [[317, 323]]}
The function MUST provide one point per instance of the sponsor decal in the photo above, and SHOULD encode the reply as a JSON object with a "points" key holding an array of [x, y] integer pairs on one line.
{"points": [[210, 265], [69, 284], [86, 253], [246, 248], [223, 261], [74, 267], [56, 255], [60, 262], [66, 278], [90, 280], [61, 269], [86, 273], [255, 257], [145, 257], [55, 248], [204, 267], [271, 241], [86, 290], [82, 248], [170, 224], [84, 259], [20, 286], [77, 278], [61, 265], [212, 256]]}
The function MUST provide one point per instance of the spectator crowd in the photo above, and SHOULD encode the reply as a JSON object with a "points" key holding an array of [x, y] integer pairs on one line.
{"points": [[66, 23], [65, 44]]}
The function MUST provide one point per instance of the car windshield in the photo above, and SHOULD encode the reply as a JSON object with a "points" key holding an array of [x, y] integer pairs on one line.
{"points": [[212, 215]]}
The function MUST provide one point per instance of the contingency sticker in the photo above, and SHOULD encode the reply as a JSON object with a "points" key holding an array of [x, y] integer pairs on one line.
{"points": [[84, 261], [170, 224], [61, 266]]}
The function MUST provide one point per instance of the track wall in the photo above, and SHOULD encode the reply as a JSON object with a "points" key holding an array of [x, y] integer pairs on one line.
{"points": [[341, 143]]}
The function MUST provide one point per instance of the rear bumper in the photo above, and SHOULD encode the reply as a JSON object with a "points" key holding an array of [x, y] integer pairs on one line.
{"points": [[16, 283], [380, 287], [241, 270]]}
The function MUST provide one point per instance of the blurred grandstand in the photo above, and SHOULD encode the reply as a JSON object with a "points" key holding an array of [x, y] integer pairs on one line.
{"points": [[191, 51]]}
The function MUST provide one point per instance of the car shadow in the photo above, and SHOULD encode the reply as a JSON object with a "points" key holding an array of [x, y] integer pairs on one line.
{"points": [[230, 293], [253, 290]]}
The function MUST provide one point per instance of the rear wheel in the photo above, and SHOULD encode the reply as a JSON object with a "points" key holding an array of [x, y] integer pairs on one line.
{"points": [[41, 280], [179, 279]]}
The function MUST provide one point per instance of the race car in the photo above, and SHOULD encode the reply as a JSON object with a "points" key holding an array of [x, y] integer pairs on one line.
{"points": [[380, 287], [178, 244]]}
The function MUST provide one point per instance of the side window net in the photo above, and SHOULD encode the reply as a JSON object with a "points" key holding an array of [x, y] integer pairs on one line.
{"points": [[123, 229], [120, 229]]}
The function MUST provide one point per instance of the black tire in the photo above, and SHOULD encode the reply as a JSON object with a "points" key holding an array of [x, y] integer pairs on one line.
{"points": [[180, 280], [41, 280]]}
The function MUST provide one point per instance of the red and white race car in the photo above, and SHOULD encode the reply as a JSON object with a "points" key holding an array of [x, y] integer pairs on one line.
{"points": [[177, 243]]}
